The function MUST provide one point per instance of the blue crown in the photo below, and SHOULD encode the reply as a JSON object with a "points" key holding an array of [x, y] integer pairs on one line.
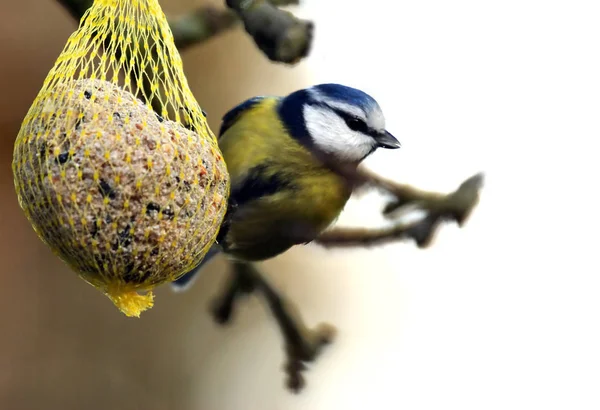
{"points": [[345, 94]]}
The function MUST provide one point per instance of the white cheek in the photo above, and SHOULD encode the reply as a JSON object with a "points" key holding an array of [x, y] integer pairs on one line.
{"points": [[331, 135]]}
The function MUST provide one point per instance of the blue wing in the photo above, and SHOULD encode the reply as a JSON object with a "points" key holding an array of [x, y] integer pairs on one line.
{"points": [[232, 115], [187, 280]]}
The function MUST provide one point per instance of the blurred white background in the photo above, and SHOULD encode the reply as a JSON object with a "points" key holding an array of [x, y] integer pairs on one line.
{"points": [[503, 313], [506, 312]]}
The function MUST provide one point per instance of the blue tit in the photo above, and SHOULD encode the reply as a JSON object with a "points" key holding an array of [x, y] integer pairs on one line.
{"points": [[282, 154]]}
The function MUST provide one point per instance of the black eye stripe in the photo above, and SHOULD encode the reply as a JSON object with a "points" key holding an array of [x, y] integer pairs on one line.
{"points": [[353, 122]]}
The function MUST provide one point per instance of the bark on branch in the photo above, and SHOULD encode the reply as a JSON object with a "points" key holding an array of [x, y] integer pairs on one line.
{"points": [[302, 344], [284, 38], [280, 35]]}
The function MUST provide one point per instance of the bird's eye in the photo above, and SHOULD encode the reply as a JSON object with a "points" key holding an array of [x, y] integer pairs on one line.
{"points": [[356, 124]]}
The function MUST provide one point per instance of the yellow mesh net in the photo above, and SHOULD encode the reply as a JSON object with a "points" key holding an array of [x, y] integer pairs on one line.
{"points": [[115, 166]]}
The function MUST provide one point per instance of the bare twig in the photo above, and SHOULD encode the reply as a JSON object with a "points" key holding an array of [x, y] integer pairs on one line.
{"points": [[200, 25], [284, 38], [302, 345], [456, 206], [280, 35], [76, 8], [421, 232]]}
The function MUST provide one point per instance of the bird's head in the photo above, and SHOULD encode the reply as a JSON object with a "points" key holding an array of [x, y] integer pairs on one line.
{"points": [[337, 120]]}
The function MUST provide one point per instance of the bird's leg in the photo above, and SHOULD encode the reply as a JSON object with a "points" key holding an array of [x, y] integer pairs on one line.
{"points": [[302, 344], [456, 206]]}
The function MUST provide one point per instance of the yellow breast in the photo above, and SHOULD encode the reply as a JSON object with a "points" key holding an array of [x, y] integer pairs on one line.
{"points": [[304, 196]]}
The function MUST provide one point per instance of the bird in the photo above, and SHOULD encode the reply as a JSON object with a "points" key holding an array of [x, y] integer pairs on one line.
{"points": [[286, 157]]}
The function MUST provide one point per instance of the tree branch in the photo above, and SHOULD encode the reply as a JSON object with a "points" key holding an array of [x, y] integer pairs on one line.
{"points": [[278, 33], [302, 344], [76, 8], [284, 38], [200, 25], [456, 206]]}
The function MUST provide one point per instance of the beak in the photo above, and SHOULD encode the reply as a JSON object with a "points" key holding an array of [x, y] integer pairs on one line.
{"points": [[387, 140]]}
